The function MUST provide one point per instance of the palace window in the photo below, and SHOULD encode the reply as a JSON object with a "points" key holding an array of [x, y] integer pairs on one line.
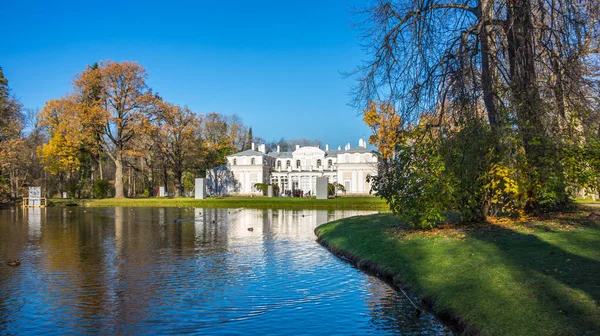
{"points": [[252, 162], [278, 164], [318, 163], [329, 163], [297, 163], [234, 162], [287, 164]]}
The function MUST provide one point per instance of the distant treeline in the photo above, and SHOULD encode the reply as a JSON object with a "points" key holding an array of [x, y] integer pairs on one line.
{"points": [[113, 135]]}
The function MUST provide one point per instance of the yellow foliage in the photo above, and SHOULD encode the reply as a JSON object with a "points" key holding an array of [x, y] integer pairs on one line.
{"points": [[69, 124], [386, 124], [503, 187]]}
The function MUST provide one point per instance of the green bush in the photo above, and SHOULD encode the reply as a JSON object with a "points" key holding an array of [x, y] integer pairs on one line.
{"points": [[468, 155], [72, 187], [102, 188], [264, 187], [332, 188], [416, 185]]}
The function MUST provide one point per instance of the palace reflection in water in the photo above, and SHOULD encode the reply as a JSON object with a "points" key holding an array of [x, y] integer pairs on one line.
{"points": [[176, 270]]}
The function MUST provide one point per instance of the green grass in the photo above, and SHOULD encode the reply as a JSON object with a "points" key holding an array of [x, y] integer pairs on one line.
{"points": [[358, 203], [540, 277], [65, 201], [586, 200]]}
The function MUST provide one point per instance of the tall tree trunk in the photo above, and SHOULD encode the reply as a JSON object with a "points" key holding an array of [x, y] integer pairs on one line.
{"points": [[100, 168], [81, 174], [559, 89], [119, 190], [45, 184], [165, 179], [60, 184], [485, 12], [528, 103], [129, 183], [11, 184], [178, 184], [523, 74], [92, 176]]}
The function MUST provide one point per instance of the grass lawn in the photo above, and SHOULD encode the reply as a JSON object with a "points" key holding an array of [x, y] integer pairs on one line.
{"points": [[533, 277], [358, 203], [587, 200]]}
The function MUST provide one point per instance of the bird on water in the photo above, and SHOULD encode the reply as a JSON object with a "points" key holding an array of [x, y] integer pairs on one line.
{"points": [[15, 262]]}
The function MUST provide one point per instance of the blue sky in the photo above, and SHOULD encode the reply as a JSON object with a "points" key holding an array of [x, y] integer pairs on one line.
{"points": [[277, 64]]}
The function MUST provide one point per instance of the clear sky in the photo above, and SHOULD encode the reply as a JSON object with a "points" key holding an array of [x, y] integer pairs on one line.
{"points": [[277, 64]]}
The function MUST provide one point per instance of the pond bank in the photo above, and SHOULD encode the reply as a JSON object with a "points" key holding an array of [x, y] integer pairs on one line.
{"points": [[339, 203], [540, 276]]}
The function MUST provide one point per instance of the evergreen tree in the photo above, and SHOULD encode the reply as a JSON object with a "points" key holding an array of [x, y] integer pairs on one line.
{"points": [[250, 139]]}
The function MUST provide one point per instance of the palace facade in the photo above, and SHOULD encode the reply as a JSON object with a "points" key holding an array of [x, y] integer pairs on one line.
{"points": [[296, 170]]}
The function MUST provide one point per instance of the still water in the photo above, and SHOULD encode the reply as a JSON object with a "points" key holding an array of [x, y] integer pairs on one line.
{"points": [[184, 270]]}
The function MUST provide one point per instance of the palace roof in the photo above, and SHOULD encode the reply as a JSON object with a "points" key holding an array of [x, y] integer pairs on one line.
{"points": [[248, 152]]}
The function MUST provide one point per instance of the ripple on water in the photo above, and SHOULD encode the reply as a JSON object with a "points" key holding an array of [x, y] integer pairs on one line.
{"points": [[174, 271]]}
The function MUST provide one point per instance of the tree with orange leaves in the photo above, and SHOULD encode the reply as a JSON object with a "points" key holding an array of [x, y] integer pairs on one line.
{"points": [[176, 134], [109, 106], [11, 127], [386, 124]]}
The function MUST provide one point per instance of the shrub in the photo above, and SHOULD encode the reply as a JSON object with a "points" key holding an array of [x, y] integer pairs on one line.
{"points": [[102, 188], [264, 187], [416, 184]]}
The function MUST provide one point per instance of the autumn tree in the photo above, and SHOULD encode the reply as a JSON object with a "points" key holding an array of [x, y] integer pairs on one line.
{"points": [[384, 122], [222, 135], [511, 86], [63, 119], [123, 104], [11, 127], [176, 132], [109, 105]]}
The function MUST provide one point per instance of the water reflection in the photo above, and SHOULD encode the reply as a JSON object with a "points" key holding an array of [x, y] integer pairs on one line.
{"points": [[177, 270]]}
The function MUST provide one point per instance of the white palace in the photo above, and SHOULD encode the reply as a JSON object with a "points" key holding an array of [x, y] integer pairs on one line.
{"points": [[298, 170]]}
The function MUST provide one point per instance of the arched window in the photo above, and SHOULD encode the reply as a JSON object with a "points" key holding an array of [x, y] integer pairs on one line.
{"points": [[329, 163], [252, 162], [278, 164], [234, 162], [318, 163], [297, 163]]}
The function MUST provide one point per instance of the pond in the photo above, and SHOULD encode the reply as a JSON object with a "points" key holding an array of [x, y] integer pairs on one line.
{"points": [[185, 270]]}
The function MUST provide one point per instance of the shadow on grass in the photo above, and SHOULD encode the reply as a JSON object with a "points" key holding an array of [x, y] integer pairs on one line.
{"points": [[561, 279], [504, 281]]}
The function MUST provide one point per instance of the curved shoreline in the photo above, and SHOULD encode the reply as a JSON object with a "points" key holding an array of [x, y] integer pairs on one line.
{"points": [[449, 318], [535, 276]]}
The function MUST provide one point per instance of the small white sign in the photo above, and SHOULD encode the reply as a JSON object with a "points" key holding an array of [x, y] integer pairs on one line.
{"points": [[35, 192]]}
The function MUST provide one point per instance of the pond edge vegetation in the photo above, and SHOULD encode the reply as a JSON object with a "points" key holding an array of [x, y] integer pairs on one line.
{"points": [[339, 203], [449, 318], [526, 251]]}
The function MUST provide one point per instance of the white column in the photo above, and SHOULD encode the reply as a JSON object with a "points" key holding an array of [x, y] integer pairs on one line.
{"points": [[354, 178], [247, 182], [361, 181]]}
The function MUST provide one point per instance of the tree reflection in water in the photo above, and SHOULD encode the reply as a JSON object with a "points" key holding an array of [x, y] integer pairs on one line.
{"points": [[175, 270]]}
